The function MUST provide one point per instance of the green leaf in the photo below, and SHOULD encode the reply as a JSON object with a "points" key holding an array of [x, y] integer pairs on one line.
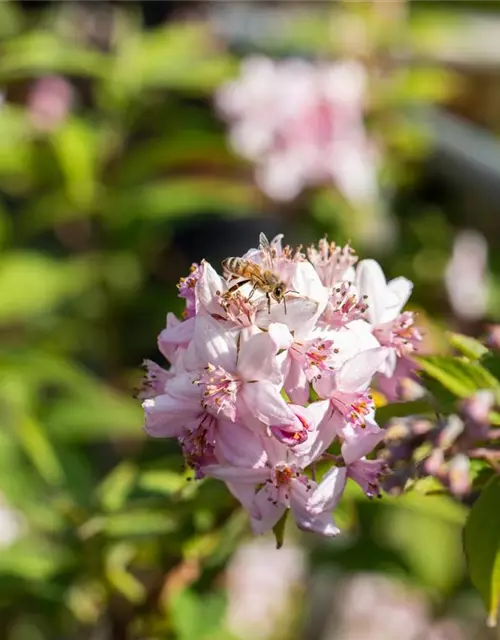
{"points": [[116, 561], [76, 150], [117, 486], [459, 376], [41, 52], [482, 547], [469, 347], [34, 560], [279, 530], [402, 409], [40, 450], [163, 481], [197, 616], [32, 283], [168, 199], [135, 522]]}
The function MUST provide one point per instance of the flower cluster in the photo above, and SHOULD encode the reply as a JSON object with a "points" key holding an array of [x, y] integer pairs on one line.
{"points": [[302, 124], [449, 445], [270, 374]]}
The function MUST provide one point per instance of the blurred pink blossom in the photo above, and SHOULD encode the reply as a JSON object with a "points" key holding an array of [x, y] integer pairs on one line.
{"points": [[302, 124], [261, 585], [466, 275], [49, 101]]}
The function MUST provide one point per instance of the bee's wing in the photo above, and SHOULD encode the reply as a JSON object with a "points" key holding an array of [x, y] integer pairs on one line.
{"points": [[254, 272], [265, 247]]}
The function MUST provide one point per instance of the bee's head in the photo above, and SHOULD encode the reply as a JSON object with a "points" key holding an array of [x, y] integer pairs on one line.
{"points": [[279, 291]]}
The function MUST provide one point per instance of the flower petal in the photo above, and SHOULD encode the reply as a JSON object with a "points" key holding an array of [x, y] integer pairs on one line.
{"points": [[328, 492], [268, 513], [236, 445], [215, 343], [356, 374], [236, 474], [257, 359], [307, 519], [370, 280], [325, 428]]}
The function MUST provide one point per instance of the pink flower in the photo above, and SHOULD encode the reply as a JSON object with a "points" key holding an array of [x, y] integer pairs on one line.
{"points": [[49, 102], [302, 124], [242, 379], [284, 485], [244, 368], [385, 301]]}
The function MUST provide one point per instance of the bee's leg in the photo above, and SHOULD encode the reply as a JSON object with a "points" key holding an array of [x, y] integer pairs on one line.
{"points": [[251, 292], [284, 303], [236, 286], [268, 303]]}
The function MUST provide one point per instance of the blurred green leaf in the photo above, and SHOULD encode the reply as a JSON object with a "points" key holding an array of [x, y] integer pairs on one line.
{"points": [[180, 56], [116, 561], [11, 19], [461, 377], [32, 283], [75, 145], [35, 560], [402, 409], [39, 52], [40, 450], [182, 196], [482, 547], [197, 616], [413, 522], [117, 485], [132, 523], [469, 347], [162, 481]]}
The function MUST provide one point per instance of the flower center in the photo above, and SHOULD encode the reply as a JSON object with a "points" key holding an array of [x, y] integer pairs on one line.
{"points": [[400, 334], [354, 410], [314, 356], [344, 305], [198, 444], [219, 391]]}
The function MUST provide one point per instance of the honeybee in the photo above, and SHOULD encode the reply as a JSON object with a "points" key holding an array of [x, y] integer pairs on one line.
{"points": [[262, 279]]}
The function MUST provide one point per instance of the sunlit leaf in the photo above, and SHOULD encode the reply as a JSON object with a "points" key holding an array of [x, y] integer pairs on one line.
{"points": [[115, 488], [132, 523], [460, 376], [32, 283], [469, 347], [117, 559], [482, 547]]}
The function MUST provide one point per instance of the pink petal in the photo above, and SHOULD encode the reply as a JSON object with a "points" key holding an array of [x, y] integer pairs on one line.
{"points": [[257, 359], [325, 429], [215, 343], [207, 287], [245, 493], [400, 289], [236, 474], [328, 492], [370, 280], [358, 442], [263, 401], [281, 335], [268, 513], [177, 333], [236, 445], [309, 520], [357, 373], [299, 310], [296, 384]]}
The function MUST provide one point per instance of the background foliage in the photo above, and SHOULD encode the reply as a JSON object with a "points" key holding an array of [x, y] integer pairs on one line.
{"points": [[114, 176]]}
